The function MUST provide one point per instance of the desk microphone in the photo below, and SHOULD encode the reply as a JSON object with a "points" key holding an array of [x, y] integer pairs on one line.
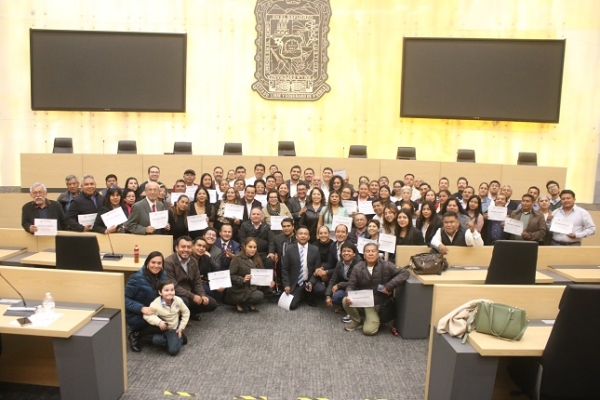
{"points": [[112, 256], [18, 311]]}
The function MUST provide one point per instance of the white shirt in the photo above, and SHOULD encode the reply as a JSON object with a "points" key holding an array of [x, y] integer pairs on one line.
{"points": [[304, 261], [473, 239], [583, 224]]}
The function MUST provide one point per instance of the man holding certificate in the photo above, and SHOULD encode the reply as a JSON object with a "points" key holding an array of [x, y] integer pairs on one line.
{"points": [[570, 223], [452, 234], [380, 277], [41, 208], [140, 221], [531, 224], [84, 208]]}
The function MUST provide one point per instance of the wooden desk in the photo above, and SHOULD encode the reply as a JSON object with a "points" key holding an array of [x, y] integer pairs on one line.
{"points": [[63, 327], [48, 259], [578, 273], [532, 344], [473, 276], [8, 252]]}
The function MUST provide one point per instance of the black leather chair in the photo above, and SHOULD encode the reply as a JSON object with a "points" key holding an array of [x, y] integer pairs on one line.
{"points": [[286, 148], [406, 153], [79, 253], [127, 147], [232, 149], [465, 155], [182, 148], [63, 145], [527, 159], [357, 151], [570, 365], [513, 263]]}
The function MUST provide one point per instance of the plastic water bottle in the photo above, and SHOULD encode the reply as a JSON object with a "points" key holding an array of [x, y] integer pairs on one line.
{"points": [[48, 305]]}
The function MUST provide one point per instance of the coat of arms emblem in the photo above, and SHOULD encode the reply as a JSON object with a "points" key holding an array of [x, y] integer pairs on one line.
{"points": [[291, 49]]}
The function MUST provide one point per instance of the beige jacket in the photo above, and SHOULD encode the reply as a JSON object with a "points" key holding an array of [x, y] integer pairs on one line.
{"points": [[169, 314]]}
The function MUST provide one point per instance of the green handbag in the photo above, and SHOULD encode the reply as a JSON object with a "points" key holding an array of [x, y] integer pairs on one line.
{"points": [[501, 320]]}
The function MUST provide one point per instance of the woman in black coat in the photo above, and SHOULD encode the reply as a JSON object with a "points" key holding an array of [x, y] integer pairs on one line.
{"points": [[429, 221]]}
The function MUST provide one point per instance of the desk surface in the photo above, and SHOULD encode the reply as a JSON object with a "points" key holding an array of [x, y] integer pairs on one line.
{"points": [[471, 276], [48, 258], [63, 327], [532, 343], [585, 274], [8, 252]]}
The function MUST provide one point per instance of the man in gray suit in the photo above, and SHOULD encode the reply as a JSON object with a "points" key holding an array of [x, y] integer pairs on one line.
{"points": [[298, 268], [139, 219]]}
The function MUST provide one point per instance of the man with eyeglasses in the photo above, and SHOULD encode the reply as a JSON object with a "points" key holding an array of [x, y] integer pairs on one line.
{"points": [[553, 189], [139, 219], [153, 175], [451, 234], [41, 208]]}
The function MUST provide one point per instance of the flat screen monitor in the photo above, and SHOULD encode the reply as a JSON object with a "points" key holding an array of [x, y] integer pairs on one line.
{"points": [[482, 79], [107, 71], [78, 252]]}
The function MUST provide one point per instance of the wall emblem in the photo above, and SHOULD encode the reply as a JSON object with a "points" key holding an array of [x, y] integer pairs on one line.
{"points": [[291, 49]]}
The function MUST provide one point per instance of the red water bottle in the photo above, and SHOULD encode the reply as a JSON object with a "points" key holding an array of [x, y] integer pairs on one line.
{"points": [[136, 254]]}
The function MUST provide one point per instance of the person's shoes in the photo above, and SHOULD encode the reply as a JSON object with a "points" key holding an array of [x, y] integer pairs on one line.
{"points": [[338, 310], [346, 319], [352, 325], [394, 331], [195, 317], [184, 339], [253, 309], [134, 341], [240, 309], [311, 302], [159, 340]]}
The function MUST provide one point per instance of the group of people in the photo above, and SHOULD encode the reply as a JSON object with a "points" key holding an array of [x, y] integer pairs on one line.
{"points": [[293, 228]]}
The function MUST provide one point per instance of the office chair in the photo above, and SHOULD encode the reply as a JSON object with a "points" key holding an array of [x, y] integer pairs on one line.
{"points": [[127, 147], [465, 155], [527, 159], [79, 253], [513, 263], [406, 153], [286, 148], [182, 148], [63, 145], [569, 366], [357, 151], [232, 149]]}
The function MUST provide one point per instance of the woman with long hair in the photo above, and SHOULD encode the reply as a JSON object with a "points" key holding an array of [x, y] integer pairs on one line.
{"points": [[374, 188], [132, 183], [323, 242], [112, 201], [443, 196], [333, 207], [178, 217], [129, 199], [201, 205], [230, 196], [336, 183], [396, 190], [407, 234], [454, 205], [314, 205], [482, 192], [429, 221], [385, 194], [474, 212], [546, 210], [206, 181], [283, 190]]}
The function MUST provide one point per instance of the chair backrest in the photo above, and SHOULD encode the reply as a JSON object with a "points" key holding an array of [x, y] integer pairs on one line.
{"points": [[286, 148], [513, 263], [232, 149], [465, 155], [182, 148], [80, 252], [571, 358], [127, 147], [63, 145], [406, 153], [357, 151], [527, 159]]}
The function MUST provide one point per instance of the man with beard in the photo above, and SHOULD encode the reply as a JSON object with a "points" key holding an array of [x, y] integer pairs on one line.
{"points": [[41, 208]]}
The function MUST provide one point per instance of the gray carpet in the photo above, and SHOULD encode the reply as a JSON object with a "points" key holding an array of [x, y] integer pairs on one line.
{"points": [[283, 356]]}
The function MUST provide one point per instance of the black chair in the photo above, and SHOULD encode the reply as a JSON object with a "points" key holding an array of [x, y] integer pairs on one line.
{"points": [[232, 149], [527, 159], [570, 364], [182, 148], [513, 263], [357, 151], [127, 147], [406, 153], [286, 148], [465, 155], [80, 253], [63, 145]]}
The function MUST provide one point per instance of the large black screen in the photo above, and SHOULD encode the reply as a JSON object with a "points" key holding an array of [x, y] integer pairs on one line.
{"points": [[107, 71], [489, 79]]}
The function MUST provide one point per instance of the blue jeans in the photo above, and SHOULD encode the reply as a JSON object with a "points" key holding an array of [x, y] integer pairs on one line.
{"points": [[170, 339], [338, 296]]}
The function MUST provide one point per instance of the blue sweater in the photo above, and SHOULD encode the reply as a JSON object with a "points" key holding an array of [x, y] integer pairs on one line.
{"points": [[139, 293]]}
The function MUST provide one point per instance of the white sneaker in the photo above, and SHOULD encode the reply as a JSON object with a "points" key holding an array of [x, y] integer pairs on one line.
{"points": [[346, 319], [352, 325]]}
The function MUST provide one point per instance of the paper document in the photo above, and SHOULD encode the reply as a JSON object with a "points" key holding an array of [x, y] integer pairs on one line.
{"points": [[339, 220], [86, 219], [234, 211], [212, 196], [513, 226], [276, 222], [561, 226], [159, 219], [190, 191], [175, 196], [340, 172], [262, 198], [261, 277], [360, 245], [496, 213], [387, 243], [114, 217], [219, 279], [284, 301], [46, 227], [361, 298], [350, 205], [365, 207], [197, 222]]}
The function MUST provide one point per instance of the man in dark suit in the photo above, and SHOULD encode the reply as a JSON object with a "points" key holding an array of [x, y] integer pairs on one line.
{"points": [[360, 228], [294, 180], [249, 202], [228, 246], [298, 267], [297, 204], [88, 202], [65, 199], [257, 229], [139, 219], [41, 208], [511, 205], [280, 243]]}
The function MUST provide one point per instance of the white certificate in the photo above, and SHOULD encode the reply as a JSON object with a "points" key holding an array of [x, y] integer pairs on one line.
{"points": [[276, 222], [350, 205], [45, 227], [190, 191], [197, 222], [234, 211], [212, 196], [387, 243], [159, 219], [175, 196], [339, 220], [365, 207], [241, 193], [360, 244], [513, 226], [284, 301], [261, 277], [361, 298], [262, 198], [340, 172], [496, 213], [114, 217], [219, 279], [561, 226], [86, 219]]}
